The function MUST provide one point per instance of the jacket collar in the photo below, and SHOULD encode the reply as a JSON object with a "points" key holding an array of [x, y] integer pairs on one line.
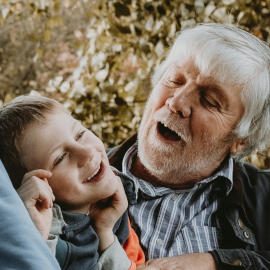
{"points": [[116, 154]]}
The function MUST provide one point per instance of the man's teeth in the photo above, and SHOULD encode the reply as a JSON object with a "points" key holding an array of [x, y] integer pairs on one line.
{"points": [[165, 125], [94, 174]]}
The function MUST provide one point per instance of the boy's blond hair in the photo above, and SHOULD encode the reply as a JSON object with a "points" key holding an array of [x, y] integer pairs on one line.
{"points": [[14, 118]]}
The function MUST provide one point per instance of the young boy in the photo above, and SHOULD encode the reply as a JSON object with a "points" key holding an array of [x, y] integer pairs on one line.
{"points": [[50, 157]]}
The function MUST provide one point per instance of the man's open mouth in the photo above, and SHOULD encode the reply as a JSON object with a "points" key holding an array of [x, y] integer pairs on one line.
{"points": [[167, 133], [96, 176]]}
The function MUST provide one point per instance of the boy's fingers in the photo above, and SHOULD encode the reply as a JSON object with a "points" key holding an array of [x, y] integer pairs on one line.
{"points": [[42, 201], [120, 191], [40, 173], [120, 195], [43, 204], [45, 198], [46, 181], [37, 190], [49, 192]]}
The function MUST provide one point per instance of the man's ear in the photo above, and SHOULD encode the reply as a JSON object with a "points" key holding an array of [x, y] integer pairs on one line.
{"points": [[238, 146]]}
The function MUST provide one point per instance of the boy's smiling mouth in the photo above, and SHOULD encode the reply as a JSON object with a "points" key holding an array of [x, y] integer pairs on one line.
{"points": [[96, 176]]}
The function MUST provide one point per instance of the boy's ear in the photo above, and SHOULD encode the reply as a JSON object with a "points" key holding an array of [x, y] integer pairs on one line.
{"points": [[238, 146]]}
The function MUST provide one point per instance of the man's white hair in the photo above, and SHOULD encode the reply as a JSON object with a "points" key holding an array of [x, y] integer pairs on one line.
{"points": [[235, 56]]}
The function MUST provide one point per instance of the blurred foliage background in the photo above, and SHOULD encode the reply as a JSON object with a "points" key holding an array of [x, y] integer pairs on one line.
{"points": [[96, 57]]}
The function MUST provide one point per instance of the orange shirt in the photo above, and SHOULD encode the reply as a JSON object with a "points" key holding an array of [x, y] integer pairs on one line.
{"points": [[133, 249]]}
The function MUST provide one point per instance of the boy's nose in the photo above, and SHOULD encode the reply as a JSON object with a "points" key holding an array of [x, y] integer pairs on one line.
{"points": [[83, 154]]}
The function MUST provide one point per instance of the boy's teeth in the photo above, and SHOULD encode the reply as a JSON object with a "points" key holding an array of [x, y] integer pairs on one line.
{"points": [[92, 176]]}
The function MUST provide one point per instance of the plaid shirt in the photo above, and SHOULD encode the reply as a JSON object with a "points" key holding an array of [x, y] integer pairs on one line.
{"points": [[172, 222]]}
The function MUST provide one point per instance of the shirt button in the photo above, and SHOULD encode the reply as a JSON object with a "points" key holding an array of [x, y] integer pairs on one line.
{"points": [[246, 234], [237, 262], [159, 242]]}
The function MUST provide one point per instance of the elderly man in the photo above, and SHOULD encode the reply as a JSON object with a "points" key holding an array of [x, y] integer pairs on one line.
{"points": [[195, 205]]}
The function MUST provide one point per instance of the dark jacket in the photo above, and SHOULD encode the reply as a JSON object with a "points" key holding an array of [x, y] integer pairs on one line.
{"points": [[243, 216], [77, 247]]}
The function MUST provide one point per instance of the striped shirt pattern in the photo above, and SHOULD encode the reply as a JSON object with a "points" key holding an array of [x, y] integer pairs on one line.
{"points": [[173, 222]]}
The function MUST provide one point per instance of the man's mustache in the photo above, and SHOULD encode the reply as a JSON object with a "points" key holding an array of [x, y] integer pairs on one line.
{"points": [[173, 122]]}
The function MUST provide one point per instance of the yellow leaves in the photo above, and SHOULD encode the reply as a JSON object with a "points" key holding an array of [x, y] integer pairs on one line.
{"points": [[260, 159], [97, 56]]}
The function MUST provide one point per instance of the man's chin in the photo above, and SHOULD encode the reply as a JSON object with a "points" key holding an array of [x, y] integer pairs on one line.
{"points": [[154, 146], [152, 161], [154, 153], [156, 175]]}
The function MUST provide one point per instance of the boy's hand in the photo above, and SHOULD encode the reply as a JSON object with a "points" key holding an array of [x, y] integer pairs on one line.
{"points": [[38, 198], [106, 213]]}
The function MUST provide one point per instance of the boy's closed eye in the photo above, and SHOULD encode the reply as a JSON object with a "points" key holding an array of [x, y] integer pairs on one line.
{"points": [[59, 159], [62, 156], [79, 135]]}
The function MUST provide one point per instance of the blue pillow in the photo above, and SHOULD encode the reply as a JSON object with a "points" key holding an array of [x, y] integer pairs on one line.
{"points": [[21, 245]]}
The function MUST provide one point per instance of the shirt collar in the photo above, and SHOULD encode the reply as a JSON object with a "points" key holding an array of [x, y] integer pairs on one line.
{"points": [[148, 189]]}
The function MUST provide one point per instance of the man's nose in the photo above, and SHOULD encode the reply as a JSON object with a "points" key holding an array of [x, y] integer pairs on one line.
{"points": [[182, 100]]}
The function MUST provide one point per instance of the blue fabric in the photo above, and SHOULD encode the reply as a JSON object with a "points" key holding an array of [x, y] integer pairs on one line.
{"points": [[77, 247], [21, 246]]}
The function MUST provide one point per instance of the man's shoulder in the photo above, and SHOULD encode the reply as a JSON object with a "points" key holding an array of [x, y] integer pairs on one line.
{"points": [[250, 168], [252, 176]]}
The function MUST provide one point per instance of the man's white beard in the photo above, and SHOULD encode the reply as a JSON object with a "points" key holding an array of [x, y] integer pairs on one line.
{"points": [[173, 167]]}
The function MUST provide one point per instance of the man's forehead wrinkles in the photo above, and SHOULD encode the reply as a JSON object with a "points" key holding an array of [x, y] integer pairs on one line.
{"points": [[187, 68], [190, 69], [209, 80]]}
